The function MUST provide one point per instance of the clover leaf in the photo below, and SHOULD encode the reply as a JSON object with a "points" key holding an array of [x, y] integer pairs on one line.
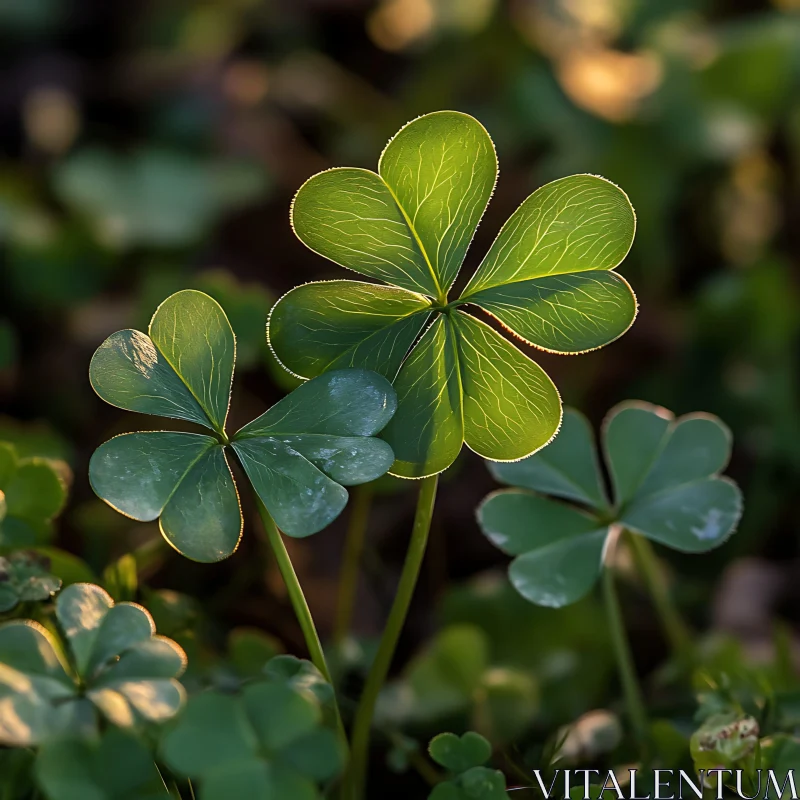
{"points": [[32, 491], [667, 487], [267, 741], [113, 663], [464, 758], [116, 766], [548, 278], [25, 577], [298, 455]]}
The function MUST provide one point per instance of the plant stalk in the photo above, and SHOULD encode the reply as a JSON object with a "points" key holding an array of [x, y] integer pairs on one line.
{"points": [[355, 780], [351, 561], [622, 651], [299, 604], [675, 628]]}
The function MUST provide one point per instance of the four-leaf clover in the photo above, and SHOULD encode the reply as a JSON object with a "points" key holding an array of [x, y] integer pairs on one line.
{"points": [[298, 455], [548, 278], [667, 487], [113, 663]]}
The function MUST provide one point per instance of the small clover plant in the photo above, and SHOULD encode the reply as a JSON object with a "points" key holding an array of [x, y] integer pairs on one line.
{"points": [[548, 278], [115, 766], [267, 741], [32, 491], [463, 757], [298, 455], [667, 488], [113, 663], [25, 577]]}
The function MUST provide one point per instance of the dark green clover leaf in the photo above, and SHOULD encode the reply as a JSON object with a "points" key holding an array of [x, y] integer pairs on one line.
{"points": [[32, 491], [299, 455], [667, 487], [115, 767], [25, 577], [111, 661], [548, 278], [464, 758], [266, 742]]}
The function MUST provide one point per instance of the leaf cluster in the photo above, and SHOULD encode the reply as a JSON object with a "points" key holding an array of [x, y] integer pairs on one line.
{"points": [[667, 488], [298, 456]]}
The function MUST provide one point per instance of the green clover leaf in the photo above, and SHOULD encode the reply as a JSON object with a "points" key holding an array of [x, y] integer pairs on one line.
{"points": [[116, 766], [460, 754], [667, 487], [464, 758], [299, 455], [113, 663], [32, 491], [548, 278], [267, 741], [25, 577]]}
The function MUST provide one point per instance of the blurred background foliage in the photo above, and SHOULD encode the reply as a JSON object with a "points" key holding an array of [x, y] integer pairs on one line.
{"points": [[152, 146]]}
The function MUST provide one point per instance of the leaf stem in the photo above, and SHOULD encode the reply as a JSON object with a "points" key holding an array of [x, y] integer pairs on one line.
{"points": [[627, 670], [351, 561], [355, 780], [299, 604], [675, 628]]}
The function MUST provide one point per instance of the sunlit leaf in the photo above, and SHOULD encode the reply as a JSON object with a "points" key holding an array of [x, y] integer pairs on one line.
{"points": [[335, 324], [547, 278], [122, 670], [511, 407], [575, 224], [427, 431]]}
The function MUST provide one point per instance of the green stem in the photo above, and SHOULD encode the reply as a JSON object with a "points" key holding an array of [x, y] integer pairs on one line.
{"points": [[627, 671], [677, 633], [351, 561], [299, 603], [355, 780]]}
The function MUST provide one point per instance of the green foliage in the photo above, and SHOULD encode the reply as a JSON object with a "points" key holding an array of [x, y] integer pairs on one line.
{"points": [[106, 659], [153, 197], [25, 577], [298, 455], [33, 490], [454, 676], [267, 741], [116, 766], [464, 758], [548, 278], [665, 474]]}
